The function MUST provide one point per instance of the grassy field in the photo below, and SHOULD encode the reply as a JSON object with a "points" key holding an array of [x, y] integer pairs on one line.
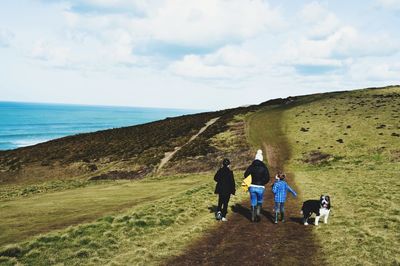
{"points": [[49, 211], [134, 225], [137, 221], [346, 145]]}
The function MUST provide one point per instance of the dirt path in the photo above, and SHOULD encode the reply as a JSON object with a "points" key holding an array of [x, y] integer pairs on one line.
{"points": [[168, 155], [240, 242]]}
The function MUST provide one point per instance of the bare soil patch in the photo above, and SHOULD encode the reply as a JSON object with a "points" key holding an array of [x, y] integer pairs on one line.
{"points": [[316, 157]]}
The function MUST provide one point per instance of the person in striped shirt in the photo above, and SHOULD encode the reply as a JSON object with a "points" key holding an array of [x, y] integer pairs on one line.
{"points": [[280, 188]]}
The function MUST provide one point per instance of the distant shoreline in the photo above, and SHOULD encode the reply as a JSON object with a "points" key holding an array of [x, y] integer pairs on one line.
{"points": [[102, 105], [24, 123]]}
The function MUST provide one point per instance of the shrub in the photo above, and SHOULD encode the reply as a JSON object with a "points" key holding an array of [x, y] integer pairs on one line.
{"points": [[7, 261], [11, 251], [83, 253]]}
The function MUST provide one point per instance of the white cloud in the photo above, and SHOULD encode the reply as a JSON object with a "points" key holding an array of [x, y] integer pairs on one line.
{"points": [[229, 62], [6, 37], [319, 21], [312, 12], [337, 50], [131, 50], [55, 55], [379, 71], [184, 22], [352, 43], [212, 22]]}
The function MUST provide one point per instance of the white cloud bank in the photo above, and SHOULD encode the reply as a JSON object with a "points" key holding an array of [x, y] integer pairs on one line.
{"points": [[176, 53]]}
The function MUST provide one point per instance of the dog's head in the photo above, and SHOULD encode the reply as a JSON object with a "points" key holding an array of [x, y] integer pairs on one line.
{"points": [[325, 201]]}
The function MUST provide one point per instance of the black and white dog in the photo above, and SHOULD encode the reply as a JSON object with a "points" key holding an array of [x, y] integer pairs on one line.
{"points": [[320, 207]]}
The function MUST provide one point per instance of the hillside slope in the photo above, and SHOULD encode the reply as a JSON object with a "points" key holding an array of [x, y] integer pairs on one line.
{"points": [[126, 153], [342, 144], [345, 144]]}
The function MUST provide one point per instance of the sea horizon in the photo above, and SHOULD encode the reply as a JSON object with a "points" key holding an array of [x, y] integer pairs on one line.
{"points": [[28, 123]]}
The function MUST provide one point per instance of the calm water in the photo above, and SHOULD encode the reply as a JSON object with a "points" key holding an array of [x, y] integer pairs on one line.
{"points": [[23, 124]]}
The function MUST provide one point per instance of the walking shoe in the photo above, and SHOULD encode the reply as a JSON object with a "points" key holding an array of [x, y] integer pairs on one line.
{"points": [[258, 213], [224, 219], [283, 217], [253, 213], [276, 217], [218, 215]]}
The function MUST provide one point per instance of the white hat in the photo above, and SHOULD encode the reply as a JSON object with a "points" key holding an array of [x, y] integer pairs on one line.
{"points": [[259, 155]]}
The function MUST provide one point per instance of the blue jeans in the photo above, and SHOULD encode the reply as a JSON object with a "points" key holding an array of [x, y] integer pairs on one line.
{"points": [[279, 207], [256, 195]]}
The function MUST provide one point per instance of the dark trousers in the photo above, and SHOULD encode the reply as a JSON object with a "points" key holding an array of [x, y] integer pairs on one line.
{"points": [[223, 201]]}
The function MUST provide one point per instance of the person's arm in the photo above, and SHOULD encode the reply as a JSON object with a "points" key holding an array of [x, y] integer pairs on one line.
{"points": [[217, 175], [267, 175], [247, 172], [292, 191], [274, 188], [233, 184]]}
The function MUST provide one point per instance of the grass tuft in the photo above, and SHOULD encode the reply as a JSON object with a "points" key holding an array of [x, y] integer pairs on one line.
{"points": [[11, 251]]}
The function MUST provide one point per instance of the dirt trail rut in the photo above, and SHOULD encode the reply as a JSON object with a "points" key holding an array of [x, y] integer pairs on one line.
{"points": [[168, 155], [240, 242]]}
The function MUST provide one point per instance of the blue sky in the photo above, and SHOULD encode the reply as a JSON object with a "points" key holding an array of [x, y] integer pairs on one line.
{"points": [[205, 54]]}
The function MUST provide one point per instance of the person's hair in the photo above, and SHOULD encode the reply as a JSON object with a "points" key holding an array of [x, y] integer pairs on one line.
{"points": [[282, 176], [226, 162]]}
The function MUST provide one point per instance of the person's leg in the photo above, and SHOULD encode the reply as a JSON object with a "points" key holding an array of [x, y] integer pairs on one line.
{"points": [[277, 206], [282, 210], [260, 199], [253, 200], [218, 214], [225, 202]]}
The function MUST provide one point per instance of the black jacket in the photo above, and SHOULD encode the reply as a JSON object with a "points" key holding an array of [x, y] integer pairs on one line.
{"points": [[259, 173], [225, 181]]}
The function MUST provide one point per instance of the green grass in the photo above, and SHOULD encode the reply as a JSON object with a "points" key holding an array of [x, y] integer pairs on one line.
{"points": [[138, 222], [8, 192], [265, 132], [148, 228], [25, 217], [126, 222], [361, 174]]}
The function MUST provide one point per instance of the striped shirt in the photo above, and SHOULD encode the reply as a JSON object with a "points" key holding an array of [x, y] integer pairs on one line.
{"points": [[280, 189]]}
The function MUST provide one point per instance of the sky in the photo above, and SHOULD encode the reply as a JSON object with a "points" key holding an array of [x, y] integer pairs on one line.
{"points": [[208, 54]]}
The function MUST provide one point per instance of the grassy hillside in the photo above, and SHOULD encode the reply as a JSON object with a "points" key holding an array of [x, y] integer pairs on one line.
{"points": [[49, 211], [133, 151], [97, 222], [145, 228], [346, 145], [130, 152]]}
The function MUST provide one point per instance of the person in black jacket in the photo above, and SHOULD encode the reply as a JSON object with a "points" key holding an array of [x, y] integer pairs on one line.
{"points": [[259, 177], [224, 188]]}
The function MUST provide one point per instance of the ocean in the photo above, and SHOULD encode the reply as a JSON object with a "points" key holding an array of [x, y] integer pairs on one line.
{"points": [[24, 124]]}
